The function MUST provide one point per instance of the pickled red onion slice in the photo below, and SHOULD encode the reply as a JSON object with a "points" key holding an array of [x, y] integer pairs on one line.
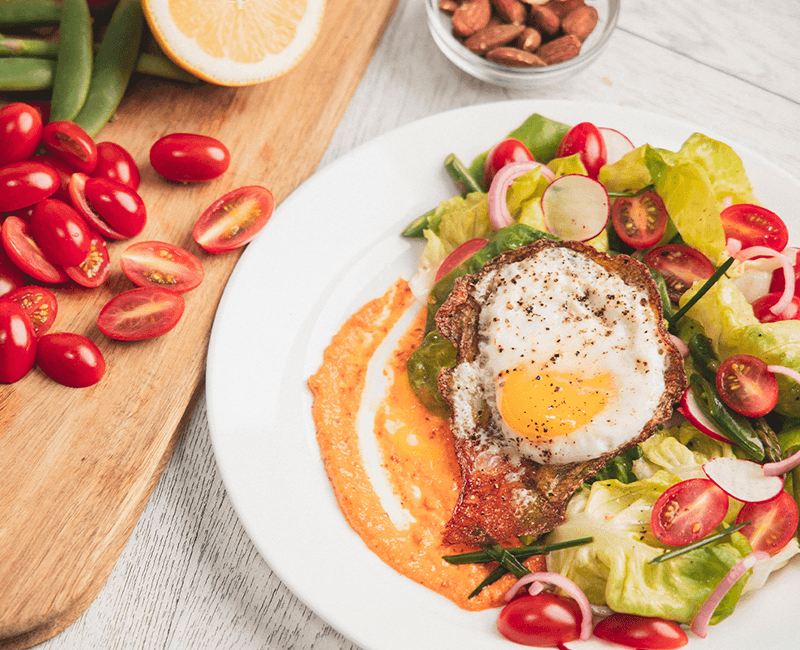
{"points": [[788, 273], [569, 587], [499, 216], [701, 620]]}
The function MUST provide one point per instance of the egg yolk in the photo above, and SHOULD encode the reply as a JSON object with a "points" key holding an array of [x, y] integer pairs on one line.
{"points": [[550, 404]]}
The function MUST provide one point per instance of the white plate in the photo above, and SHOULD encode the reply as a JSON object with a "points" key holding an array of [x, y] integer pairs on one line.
{"points": [[329, 248]]}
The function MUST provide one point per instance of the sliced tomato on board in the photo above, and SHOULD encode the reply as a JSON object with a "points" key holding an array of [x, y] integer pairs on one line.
{"points": [[115, 163], [754, 225], [688, 511], [39, 303], [114, 210], [10, 276], [156, 263], [94, 269], [745, 384], [680, 266], [640, 221], [234, 219], [504, 152], [20, 132], [69, 142], [772, 523], [142, 313], [26, 255], [189, 157]]}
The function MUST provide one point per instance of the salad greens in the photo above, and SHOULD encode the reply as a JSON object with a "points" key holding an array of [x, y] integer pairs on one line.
{"points": [[617, 568]]}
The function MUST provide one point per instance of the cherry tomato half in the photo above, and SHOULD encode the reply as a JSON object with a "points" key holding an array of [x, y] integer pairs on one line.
{"points": [[155, 263], [142, 313], [11, 277], [772, 523], [189, 157], [640, 221], [20, 132], [754, 226], [688, 511], [114, 210], [25, 183], [459, 255], [504, 152], [745, 384], [69, 142], [763, 312], [17, 342], [234, 219], [680, 265], [70, 359], [586, 140], [114, 162], [39, 303], [542, 620], [94, 269], [26, 255], [778, 281], [60, 232], [641, 632]]}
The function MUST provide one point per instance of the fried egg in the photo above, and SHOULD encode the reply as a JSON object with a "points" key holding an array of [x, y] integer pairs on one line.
{"points": [[564, 361]]}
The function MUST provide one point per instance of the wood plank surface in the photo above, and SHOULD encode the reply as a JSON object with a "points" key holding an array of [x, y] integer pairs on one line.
{"points": [[79, 465]]}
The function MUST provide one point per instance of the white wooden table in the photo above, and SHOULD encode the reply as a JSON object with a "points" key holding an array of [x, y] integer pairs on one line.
{"points": [[189, 578]]}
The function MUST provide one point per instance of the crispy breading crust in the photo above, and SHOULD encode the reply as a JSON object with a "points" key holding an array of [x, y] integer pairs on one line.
{"points": [[487, 509]]}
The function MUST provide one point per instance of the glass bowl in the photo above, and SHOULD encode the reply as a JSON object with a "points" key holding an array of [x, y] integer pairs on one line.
{"points": [[441, 28]]}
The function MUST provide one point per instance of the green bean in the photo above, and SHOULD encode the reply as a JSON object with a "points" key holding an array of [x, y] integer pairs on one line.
{"points": [[704, 356], [160, 66], [38, 47], [113, 66], [417, 227], [26, 73], [29, 12], [74, 63], [465, 182]]}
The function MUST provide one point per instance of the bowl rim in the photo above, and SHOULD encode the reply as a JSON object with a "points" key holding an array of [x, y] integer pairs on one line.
{"points": [[481, 68]]}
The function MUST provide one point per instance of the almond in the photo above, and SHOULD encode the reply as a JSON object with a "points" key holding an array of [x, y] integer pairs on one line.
{"points": [[560, 49], [514, 57], [580, 22], [490, 38], [529, 40], [448, 6], [510, 11], [562, 7], [471, 16], [544, 20]]}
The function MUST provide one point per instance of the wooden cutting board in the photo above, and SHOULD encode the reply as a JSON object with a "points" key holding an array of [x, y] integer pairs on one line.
{"points": [[77, 466]]}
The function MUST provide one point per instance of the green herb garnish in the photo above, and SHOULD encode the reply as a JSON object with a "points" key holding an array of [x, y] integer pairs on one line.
{"points": [[699, 544]]}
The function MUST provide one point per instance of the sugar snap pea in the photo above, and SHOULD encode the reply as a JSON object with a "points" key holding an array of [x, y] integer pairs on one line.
{"points": [[465, 182], [29, 12], [74, 62], [26, 73], [38, 47], [113, 66]]}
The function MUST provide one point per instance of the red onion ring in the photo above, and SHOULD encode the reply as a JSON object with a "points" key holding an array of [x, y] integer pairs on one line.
{"points": [[780, 467], [701, 620], [788, 273], [682, 347], [573, 590], [499, 216]]}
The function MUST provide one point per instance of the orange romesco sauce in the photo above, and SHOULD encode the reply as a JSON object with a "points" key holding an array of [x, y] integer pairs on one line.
{"points": [[416, 449]]}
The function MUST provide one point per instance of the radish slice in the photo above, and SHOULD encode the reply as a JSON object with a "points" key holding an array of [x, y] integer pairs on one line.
{"points": [[691, 410], [787, 464], [743, 480], [575, 207], [569, 587], [701, 620], [788, 273], [499, 216], [617, 144]]}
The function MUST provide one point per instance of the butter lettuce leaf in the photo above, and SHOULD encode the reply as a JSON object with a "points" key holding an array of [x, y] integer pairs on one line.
{"points": [[456, 221]]}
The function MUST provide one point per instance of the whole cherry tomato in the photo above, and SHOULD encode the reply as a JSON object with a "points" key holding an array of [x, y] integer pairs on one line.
{"points": [[17, 342], [60, 232], [114, 162], [10, 276], [20, 132], [233, 219], [189, 158], [69, 142], [586, 140], [39, 303], [70, 359], [641, 632], [25, 183], [114, 210], [542, 620], [504, 152], [64, 172]]}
